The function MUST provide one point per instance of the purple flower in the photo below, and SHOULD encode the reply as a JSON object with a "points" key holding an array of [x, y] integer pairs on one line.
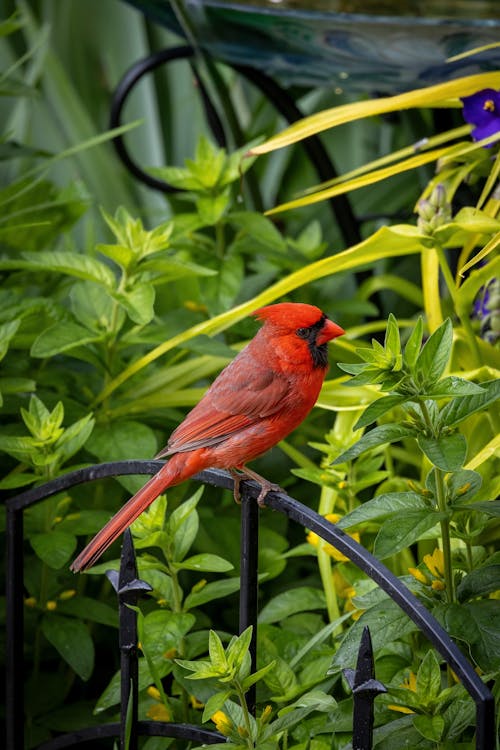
{"points": [[482, 110]]}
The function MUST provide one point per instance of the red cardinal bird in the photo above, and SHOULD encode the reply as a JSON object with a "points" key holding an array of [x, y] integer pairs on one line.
{"points": [[256, 401]]}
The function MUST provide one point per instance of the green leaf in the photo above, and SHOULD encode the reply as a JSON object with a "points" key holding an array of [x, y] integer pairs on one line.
{"points": [[447, 452], [400, 532], [7, 333], [54, 547], [213, 590], [453, 386], [428, 678], [459, 409], [211, 208], [378, 408], [300, 599], [492, 507], [256, 676], [432, 360], [479, 582], [478, 624], [138, 302], [387, 433], [94, 307], [71, 264], [392, 342], [387, 504], [216, 652], [86, 608], [430, 727], [238, 648], [387, 623], [123, 439], [206, 562], [413, 345], [84, 522], [162, 631], [72, 640], [214, 703], [281, 681], [462, 486], [74, 437], [62, 337], [260, 228]]}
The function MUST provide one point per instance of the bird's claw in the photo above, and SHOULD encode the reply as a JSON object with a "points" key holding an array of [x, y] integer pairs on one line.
{"points": [[264, 484]]}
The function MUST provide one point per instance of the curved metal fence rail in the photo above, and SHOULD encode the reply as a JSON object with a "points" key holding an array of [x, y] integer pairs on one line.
{"points": [[129, 588]]}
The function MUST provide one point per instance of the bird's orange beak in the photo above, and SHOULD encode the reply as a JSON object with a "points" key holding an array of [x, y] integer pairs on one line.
{"points": [[329, 331]]}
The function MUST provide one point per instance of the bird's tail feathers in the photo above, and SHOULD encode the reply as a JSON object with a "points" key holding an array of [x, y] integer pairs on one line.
{"points": [[123, 518]]}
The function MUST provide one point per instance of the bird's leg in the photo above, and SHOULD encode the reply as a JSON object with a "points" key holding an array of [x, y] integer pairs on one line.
{"points": [[236, 487], [264, 484]]}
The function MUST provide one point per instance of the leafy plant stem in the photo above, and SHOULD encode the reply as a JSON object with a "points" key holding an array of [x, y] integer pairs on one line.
{"points": [[464, 320], [445, 536], [244, 706], [326, 506]]}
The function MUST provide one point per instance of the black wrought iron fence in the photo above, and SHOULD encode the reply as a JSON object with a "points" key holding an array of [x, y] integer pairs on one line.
{"points": [[129, 588]]}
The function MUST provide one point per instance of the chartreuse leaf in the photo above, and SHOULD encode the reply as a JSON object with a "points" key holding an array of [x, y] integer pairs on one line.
{"points": [[423, 97], [72, 640]]}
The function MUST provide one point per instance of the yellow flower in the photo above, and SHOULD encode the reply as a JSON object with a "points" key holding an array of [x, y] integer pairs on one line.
{"points": [[222, 722], [193, 306], [195, 702], [266, 714], [153, 692], [30, 601], [51, 605], [438, 586], [159, 712], [418, 575], [68, 594], [435, 563], [401, 709], [314, 540], [409, 684]]}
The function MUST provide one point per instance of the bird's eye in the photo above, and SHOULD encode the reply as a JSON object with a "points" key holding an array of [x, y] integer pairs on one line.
{"points": [[302, 333]]}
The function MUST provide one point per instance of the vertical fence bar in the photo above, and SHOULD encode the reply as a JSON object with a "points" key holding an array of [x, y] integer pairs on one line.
{"points": [[128, 588], [14, 700], [249, 578], [365, 689]]}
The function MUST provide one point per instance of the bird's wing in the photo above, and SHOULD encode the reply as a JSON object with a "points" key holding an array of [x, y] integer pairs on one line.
{"points": [[241, 395]]}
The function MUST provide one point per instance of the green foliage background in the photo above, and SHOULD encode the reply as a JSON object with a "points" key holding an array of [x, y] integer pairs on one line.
{"points": [[119, 307]]}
